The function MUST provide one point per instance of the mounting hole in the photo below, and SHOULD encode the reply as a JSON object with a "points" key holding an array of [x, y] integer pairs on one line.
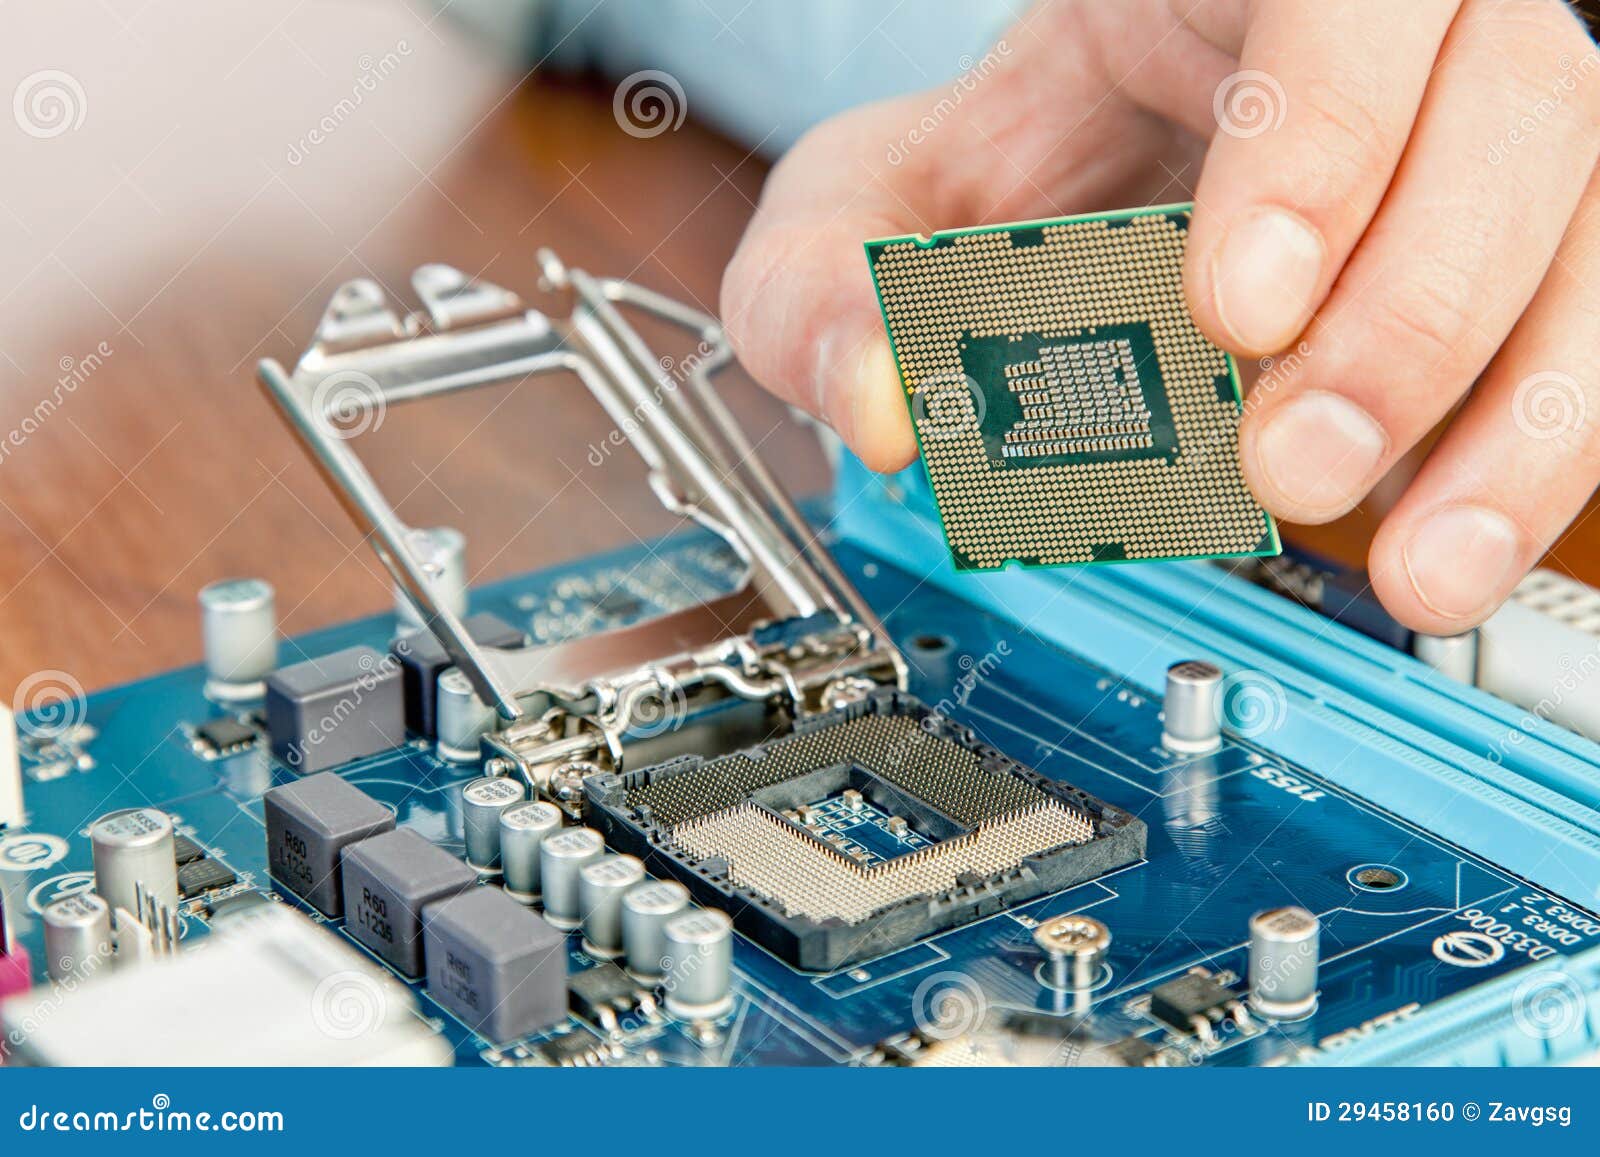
{"points": [[932, 644], [1376, 878]]}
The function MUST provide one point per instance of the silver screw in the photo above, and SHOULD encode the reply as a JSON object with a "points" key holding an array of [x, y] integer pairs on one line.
{"points": [[1075, 947]]}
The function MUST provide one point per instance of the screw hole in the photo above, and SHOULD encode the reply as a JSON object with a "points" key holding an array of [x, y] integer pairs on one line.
{"points": [[1376, 878], [933, 644]]}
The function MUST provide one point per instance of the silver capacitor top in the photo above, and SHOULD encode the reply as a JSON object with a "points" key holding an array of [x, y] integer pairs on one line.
{"points": [[77, 936], [239, 625], [1191, 719], [482, 801], [699, 977], [523, 827], [646, 908], [462, 718], [601, 888], [562, 857], [132, 847], [441, 551], [1284, 943]]}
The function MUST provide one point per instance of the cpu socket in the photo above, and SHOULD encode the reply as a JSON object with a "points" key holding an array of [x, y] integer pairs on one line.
{"points": [[861, 832]]}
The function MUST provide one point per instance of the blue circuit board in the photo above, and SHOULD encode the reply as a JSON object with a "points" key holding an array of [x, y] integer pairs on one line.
{"points": [[1407, 919]]}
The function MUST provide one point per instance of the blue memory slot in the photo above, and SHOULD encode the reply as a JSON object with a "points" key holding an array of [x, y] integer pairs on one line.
{"points": [[1477, 771]]}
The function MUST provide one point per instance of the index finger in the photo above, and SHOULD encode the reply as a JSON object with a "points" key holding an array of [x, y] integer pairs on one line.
{"points": [[1310, 131]]}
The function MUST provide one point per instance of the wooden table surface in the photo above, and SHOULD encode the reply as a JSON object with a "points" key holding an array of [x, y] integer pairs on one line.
{"points": [[177, 471]]}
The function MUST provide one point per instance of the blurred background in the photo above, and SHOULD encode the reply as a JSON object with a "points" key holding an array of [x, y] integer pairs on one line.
{"points": [[188, 182]]}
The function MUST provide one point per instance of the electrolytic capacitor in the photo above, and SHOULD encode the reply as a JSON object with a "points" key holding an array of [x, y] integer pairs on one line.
{"points": [[77, 936], [482, 801], [699, 971], [132, 847], [601, 887], [1191, 719], [461, 717], [561, 857], [239, 623], [523, 827], [442, 553], [646, 908], [1284, 943]]}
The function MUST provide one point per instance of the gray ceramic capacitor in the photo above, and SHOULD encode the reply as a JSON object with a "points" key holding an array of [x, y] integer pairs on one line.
{"points": [[1453, 655]]}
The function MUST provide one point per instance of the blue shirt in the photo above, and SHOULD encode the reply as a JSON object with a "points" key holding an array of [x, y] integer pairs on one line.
{"points": [[763, 71]]}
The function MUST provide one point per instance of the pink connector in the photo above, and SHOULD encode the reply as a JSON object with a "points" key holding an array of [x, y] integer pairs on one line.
{"points": [[15, 975]]}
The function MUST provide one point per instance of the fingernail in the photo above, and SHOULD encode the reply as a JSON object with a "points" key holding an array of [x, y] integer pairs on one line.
{"points": [[873, 362], [1266, 270], [1462, 561], [880, 423], [845, 357], [1319, 452]]}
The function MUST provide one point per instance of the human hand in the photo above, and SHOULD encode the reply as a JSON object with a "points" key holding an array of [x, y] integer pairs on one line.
{"points": [[1402, 197]]}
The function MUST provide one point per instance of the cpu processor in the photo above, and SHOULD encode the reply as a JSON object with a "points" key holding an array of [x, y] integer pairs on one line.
{"points": [[863, 831], [1068, 408]]}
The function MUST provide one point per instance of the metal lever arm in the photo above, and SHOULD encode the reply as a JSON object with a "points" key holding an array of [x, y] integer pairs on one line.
{"points": [[366, 358]]}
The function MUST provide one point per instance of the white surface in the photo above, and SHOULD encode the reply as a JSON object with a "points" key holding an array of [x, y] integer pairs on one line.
{"points": [[1541, 651], [264, 989], [10, 772]]}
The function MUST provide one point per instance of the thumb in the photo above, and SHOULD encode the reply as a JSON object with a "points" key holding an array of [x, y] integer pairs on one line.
{"points": [[797, 298]]}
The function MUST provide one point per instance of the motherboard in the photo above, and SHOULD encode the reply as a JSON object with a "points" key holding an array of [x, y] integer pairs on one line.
{"points": [[784, 788], [1406, 919]]}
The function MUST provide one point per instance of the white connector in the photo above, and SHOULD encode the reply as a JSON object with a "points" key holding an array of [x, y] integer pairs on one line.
{"points": [[1541, 651], [10, 772]]}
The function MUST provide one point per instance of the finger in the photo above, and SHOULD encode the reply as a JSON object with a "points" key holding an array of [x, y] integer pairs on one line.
{"points": [[1454, 255], [1516, 465], [797, 299], [799, 308], [1167, 58], [1309, 132]]}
